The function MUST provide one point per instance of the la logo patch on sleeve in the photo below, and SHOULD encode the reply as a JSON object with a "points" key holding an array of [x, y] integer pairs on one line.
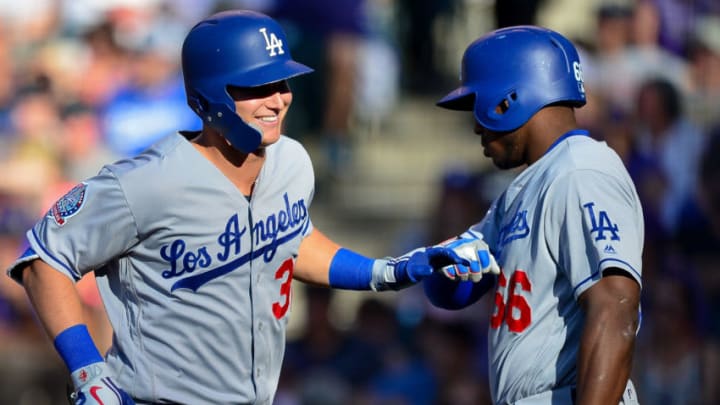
{"points": [[69, 204]]}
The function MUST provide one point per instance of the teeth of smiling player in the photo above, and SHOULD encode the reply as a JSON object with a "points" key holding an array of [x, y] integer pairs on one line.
{"points": [[268, 119]]}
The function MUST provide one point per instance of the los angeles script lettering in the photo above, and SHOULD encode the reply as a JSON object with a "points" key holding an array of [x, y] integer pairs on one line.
{"points": [[264, 231]]}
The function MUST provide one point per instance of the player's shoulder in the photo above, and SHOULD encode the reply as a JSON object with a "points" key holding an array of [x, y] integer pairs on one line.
{"points": [[583, 153], [289, 151], [147, 161], [588, 164], [157, 170], [287, 144]]}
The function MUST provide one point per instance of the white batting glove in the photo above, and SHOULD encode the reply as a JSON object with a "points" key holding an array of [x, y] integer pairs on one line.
{"points": [[477, 252], [94, 385]]}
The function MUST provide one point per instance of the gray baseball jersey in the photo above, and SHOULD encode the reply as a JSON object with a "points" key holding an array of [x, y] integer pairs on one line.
{"points": [[558, 225], [194, 276]]}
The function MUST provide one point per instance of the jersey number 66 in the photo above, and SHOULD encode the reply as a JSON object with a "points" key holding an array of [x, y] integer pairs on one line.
{"points": [[515, 312]]}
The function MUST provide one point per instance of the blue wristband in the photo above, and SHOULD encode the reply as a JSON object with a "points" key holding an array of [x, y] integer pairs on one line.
{"points": [[76, 347], [350, 271]]}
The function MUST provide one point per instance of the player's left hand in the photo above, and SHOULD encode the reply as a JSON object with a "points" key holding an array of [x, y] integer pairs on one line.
{"points": [[95, 386], [478, 260]]}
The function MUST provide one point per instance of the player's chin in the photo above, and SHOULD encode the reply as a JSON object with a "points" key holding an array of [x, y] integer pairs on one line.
{"points": [[494, 155], [270, 137], [498, 159], [505, 164]]}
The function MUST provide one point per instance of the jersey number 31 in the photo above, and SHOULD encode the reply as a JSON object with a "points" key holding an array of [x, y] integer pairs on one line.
{"points": [[285, 270]]}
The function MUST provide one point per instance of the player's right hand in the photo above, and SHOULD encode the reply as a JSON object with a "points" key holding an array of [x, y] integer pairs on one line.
{"points": [[94, 385], [477, 252]]}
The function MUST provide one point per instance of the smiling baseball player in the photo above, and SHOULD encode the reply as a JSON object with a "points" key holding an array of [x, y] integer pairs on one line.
{"points": [[194, 243]]}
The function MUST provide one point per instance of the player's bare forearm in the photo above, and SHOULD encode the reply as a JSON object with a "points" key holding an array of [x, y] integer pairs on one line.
{"points": [[53, 296], [608, 339], [314, 257]]}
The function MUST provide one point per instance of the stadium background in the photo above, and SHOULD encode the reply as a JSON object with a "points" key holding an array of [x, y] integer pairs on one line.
{"points": [[85, 82]]}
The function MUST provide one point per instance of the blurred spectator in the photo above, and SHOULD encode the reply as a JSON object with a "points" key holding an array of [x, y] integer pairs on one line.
{"points": [[462, 197], [104, 69], [676, 364], [613, 35], [628, 42], [646, 57], [30, 370], [7, 86], [451, 350], [32, 164], [377, 86], [323, 349], [677, 19], [417, 27], [328, 36], [516, 12], [700, 234], [704, 55], [152, 103], [28, 24], [666, 138], [405, 379], [459, 203], [83, 150]]}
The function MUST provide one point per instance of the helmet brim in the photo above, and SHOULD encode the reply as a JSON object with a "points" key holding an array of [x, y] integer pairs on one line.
{"points": [[270, 73], [460, 99]]}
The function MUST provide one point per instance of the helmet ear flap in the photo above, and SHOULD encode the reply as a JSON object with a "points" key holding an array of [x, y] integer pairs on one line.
{"points": [[197, 103], [241, 136]]}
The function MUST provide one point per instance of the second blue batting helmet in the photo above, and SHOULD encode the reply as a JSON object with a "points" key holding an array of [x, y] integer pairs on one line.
{"points": [[511, 73], [234, 48]]}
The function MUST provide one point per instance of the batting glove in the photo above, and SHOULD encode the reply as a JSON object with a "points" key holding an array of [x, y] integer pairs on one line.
{"points": [[398, 273], [477, 253], [94, 385]]}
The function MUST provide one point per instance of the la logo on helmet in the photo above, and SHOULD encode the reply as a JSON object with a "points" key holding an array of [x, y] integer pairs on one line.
{"points": [[272, 42]]}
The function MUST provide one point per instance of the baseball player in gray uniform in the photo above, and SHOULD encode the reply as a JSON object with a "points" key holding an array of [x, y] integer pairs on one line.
{"points": [[567, 232], [195, 242]]}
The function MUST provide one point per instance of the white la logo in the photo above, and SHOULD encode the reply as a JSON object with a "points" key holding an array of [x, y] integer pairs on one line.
{"points": [[272, 42]]}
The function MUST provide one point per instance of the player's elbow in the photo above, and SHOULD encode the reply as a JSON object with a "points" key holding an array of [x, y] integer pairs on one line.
{"points": [[628, 325]]}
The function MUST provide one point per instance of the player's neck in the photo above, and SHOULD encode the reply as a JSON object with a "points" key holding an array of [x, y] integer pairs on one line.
{"points": [[241, 168], [545, 128]]}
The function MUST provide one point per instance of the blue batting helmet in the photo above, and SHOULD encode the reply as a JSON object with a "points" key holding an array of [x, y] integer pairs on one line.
{"points": [[511, 73], [234, 48]]}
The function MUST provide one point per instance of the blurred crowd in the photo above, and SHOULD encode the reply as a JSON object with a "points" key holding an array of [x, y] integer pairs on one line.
{"points": [[86, 82], [654, 79]]}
